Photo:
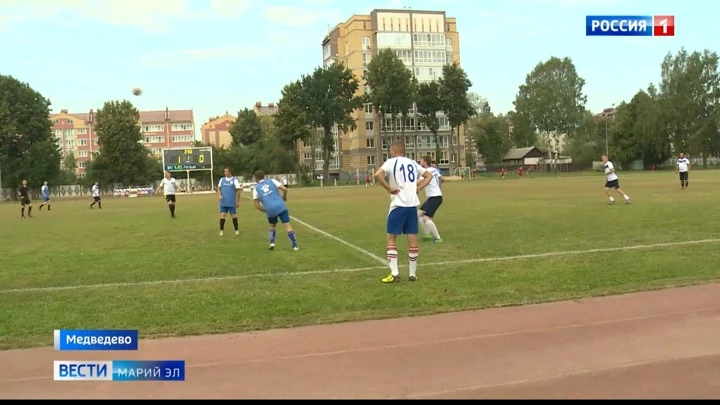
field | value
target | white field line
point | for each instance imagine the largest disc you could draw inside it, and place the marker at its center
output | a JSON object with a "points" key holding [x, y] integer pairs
{"points": [[360, 269], [335, 238]]}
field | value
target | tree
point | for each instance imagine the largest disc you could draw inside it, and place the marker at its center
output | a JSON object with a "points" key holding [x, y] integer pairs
{"points": [[291, 121], [247, 128], [552, 98], [70, 163], [330, 100], [28, 150], [122, 159], [491, 140], [429, 104], [454, 86], [689, 93], [588, 140], [523, 133], [480, 104]]}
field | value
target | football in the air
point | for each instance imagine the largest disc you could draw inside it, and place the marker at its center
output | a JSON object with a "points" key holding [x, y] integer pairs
{"points": [[137, 91]]}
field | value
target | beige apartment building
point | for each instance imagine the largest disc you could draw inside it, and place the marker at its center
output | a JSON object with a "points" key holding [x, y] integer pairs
{"points": [[425, 41]]}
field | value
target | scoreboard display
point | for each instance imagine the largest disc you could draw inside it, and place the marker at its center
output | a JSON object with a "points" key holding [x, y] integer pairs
{"points": [[177, 160]]}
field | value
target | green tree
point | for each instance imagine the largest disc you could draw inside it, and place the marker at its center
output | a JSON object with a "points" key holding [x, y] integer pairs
{"points": [[429, 104], [122, 159], [291, 121], [28, 150], [70, 163], [454, 87], [588, 140], [523, 134], [690, 92], [490, 139], [247, 129], [330, 100], [552, 98]]}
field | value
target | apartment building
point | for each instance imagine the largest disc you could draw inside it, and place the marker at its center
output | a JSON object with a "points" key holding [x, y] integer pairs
{"points": [[425, 41], [75, 133], [216, 132]]}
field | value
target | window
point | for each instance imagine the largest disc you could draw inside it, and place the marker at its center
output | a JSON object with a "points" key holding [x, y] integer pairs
{"points": [[371, 160], [366, 41], [185, 126], [154, 128], [393, 39], [69, 133], [409, 142], [369, 143], [369, 125], [82, 142], [384, 144], [183, 138], [154, 139], [434, 57], [367, 89], [429, 40], [366, 58], [80, 175], [368, 107], [385, 157], [448, 42], [58, 133], [326, 51], [82, 153], [404, 55], [81, 131], [307, 156], [81, 165]]}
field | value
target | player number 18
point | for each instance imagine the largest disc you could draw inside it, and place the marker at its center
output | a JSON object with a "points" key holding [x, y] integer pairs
{"points": [[408, 174]]}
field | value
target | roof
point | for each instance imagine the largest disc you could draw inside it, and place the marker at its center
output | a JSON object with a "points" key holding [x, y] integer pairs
{"points": [[518, 153], [146, 116]]}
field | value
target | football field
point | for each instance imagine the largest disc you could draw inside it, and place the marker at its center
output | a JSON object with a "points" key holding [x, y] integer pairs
{"points": [[506, 242]]}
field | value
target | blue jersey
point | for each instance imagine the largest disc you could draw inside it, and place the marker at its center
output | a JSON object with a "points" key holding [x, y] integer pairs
{"points": [[228, 187], [267, 192], [45, 191]]}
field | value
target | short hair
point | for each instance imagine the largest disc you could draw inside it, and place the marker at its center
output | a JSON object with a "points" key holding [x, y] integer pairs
{"points": [[259, 175], [399, 145], [427, 159], [433, 163]]}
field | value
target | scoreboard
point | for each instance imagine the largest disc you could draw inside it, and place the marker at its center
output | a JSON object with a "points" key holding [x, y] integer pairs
{"points": [[176, 160]]}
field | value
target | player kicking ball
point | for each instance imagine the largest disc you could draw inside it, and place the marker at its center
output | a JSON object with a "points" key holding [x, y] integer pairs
{"points": [[612, 182], [229, 190], [403, 186], [267, 199], [170, 187], [434, 200]]}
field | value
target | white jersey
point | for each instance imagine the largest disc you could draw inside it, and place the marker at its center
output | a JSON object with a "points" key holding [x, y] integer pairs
{"points": [[403, 174], [683, 165], [285, 180], [433, 188], [95, 191], [169, 186], [610, 172]]}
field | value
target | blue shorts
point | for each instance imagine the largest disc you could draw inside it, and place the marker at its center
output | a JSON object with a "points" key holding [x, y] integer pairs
{"points": [[284, 217], [228, 210], [402, 220], [46, 199]]}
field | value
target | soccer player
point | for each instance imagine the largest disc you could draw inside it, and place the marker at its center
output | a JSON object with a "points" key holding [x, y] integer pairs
{"points": [[229, 189], [96, 195], [434, 199], [611, 181], [683, 168], [24, 195], [45, 195], [170, 187], [267, 199], [403, 186]]}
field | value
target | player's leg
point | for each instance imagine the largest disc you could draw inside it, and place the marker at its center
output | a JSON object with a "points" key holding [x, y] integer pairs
{"points": [[421, 214], [393, 228], [223, 213], [622, 193], [285, 219], [171, 204], [272, 232], [22, 208], [233, 215], [608, 188], [684, 179], [95, 200], [432, 208], [410, 228], [687, 179], [28, 204]]}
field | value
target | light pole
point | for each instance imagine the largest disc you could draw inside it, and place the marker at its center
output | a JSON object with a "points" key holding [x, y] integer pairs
{"points": [[605, 114]]}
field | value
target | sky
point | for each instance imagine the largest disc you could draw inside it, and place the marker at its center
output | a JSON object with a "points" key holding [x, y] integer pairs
{"points": [[217, 56]]}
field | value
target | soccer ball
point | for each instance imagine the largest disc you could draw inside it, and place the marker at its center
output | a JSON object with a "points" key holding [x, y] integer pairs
{"points": [[137, 91]]}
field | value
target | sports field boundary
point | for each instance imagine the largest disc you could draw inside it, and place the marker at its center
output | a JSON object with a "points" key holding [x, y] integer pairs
{"points": [[361, 269]]}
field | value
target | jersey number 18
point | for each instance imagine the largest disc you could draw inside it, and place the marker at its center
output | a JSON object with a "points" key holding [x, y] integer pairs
{"points": [[408, 174]]}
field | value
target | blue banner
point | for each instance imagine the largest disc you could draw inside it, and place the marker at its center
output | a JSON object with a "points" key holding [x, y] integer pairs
{"points": [[619, 25], [95, 340], [119, 370], [148, 370]]}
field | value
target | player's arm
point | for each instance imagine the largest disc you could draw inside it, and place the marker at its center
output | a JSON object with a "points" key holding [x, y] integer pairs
{"points": [[282, 188], [256, 201], [426, 178], [688, 163], [219, 194], [238, 192], [380, 178], [157, 190]]}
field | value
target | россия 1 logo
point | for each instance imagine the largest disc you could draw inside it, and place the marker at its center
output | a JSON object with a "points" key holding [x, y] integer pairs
{"points": [[630, 26]]}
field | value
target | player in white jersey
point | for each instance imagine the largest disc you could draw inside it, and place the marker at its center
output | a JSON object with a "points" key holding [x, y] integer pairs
{"points": [[683, 168], [45, 195], [612, 182], [404, 185], [170, 187], [434, 199], [96, 195]]}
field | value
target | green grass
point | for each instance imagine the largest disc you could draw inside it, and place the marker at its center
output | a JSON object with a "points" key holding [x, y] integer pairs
{"points": [[134, 240]]}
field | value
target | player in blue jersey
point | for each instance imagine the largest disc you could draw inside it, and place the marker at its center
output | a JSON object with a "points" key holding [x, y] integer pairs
{"points": [[267, 198], [229, 189], [45, 196]]}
